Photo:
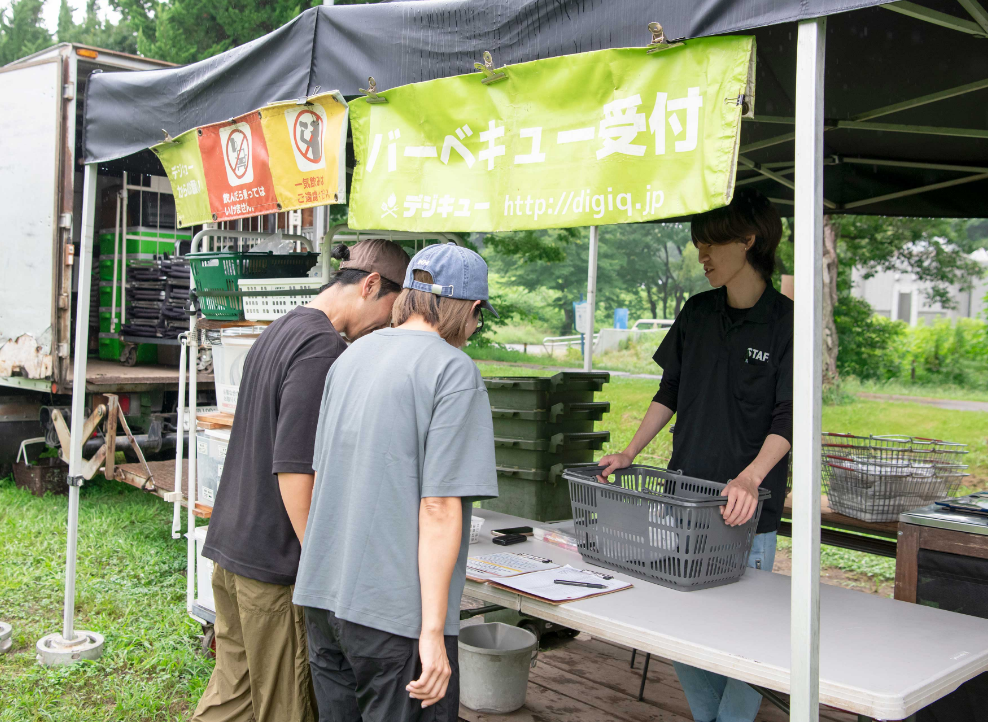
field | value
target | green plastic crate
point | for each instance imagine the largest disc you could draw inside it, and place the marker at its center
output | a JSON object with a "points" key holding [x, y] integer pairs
{"points": [[111, 348], [106, 295], [142, 240], [544, 424], [566, 448], [534, 393], [216, 276], [533, 493]]}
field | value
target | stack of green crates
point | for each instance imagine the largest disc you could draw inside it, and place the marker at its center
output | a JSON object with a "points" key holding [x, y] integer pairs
{"points": [[542, 426], [142, 244]]}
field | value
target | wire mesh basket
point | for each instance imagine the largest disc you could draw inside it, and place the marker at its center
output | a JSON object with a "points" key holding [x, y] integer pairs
{"points": [[876, 478], [659, 526]]}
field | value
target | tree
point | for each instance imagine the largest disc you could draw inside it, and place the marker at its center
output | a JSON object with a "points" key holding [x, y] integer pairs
{"points": [[649, 268], [934, 250], [121, 36], [184, 31], [22, 30], [658, 259]]}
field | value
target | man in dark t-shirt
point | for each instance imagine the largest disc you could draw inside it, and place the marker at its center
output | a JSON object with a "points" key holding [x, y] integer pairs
{"points": [[255, 532]]}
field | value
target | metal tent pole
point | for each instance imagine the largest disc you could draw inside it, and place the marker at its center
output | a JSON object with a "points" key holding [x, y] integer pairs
{"points": [[591, 298], [73, 644], [179, 442], [807, 370]]}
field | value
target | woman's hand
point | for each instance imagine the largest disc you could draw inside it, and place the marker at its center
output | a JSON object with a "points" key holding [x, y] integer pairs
{"points": [[613, 462], [430, 687], [742, 498]]}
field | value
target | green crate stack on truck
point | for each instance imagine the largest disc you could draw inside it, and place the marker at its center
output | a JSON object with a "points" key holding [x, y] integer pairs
{"points": [[142, 244], [541, 426]]}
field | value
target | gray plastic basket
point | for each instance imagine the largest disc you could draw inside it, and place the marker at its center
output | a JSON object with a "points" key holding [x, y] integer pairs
{"points": [[659, 526]]}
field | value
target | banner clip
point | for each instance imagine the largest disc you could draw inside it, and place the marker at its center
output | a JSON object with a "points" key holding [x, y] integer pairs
{"points": [[371, 92], [659, 41], [491, 74], [168, 138]]}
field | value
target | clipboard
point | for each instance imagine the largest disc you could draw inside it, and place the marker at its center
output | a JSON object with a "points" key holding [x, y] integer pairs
{"points": [[526, 583]]}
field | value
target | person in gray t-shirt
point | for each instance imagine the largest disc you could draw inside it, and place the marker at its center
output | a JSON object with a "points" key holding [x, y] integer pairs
{"points": [[404, 445]]}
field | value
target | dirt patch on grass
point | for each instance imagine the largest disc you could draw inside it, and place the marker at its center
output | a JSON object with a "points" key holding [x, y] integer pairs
{"points": [[838, 577]]}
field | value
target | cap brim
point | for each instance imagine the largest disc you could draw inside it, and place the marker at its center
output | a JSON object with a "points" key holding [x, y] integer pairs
{"points": [[487, 305]]}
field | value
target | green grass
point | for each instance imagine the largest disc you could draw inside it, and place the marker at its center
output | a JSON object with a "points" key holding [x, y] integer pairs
{"points": [[876, 567], [504, 355], [130, 588], [630, 398], [897, 387]]}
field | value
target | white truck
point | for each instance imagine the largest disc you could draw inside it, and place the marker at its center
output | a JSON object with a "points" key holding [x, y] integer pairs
{"points": [[40, 214]]}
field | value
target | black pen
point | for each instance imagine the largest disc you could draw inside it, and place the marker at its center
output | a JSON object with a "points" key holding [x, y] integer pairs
{"points": [[591, 585]]}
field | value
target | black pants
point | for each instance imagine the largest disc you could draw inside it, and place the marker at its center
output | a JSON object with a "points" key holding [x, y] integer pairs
{"points": [[359, 673]]}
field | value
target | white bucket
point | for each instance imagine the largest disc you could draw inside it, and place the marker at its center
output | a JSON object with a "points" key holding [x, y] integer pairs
{"points": [[495, 660], [228, 368]]}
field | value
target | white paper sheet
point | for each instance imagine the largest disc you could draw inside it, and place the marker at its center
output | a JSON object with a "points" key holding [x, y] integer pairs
{"points": [[505, 564], [542, 584]]}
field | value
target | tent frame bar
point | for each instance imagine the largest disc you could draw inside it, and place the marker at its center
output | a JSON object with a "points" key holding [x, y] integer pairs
{"points": [[936, 18], [915, 191], [976, 11], [871, 114]]}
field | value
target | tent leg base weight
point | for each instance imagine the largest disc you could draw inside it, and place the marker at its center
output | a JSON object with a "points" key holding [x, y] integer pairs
{"points": [[54, 651]]}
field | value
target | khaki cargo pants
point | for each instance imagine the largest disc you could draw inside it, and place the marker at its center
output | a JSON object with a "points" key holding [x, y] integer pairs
{"points": [[262, 659]]}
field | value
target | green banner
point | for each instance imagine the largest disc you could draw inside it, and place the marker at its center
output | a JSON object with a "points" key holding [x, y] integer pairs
{"points": [[613, 136]]}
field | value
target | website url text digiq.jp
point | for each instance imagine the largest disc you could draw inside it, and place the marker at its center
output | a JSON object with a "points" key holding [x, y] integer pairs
{"points": [[584, 202]]}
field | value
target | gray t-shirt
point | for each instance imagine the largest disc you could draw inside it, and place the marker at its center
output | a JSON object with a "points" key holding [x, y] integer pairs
{"points": [[404, 416]]}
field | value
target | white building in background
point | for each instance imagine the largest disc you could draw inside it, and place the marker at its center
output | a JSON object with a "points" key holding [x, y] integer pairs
{"points": [[900, 297]]}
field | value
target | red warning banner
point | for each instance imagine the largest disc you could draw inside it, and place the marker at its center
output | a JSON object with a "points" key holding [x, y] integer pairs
{"points": [[235, 163]]}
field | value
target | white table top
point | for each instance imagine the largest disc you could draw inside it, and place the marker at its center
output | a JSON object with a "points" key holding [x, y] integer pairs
{"points": [[878, 657]]}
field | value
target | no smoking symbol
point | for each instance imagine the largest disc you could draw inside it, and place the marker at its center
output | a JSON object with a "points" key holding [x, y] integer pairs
{"points": [[307, 135], [238, 152]]}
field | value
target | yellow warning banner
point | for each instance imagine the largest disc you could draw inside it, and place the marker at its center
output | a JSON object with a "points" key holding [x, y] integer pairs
{"points": [[307, 150]]}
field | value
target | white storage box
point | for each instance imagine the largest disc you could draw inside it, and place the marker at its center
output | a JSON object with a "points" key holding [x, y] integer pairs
{"points": [[204, 572], [228, 367], [211, 446], [270, 308]]}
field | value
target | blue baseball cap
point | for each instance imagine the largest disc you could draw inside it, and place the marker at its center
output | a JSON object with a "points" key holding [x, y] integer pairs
{"points": [[457, 272]]}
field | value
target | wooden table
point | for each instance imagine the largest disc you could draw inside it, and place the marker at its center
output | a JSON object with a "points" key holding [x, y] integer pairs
{"points": [[848, 533], [868, 645], [929, 528]]}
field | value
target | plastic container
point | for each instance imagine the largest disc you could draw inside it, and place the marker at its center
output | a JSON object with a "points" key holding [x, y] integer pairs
{"points": [[535, 424], [495, 660], [110, 349], [141, 240], [476, 524], [564, 448], [659, 526], [211, 447], [534, 393], [228, 368], [217, 277], [204, 572], [539, 494], [280, 296]]}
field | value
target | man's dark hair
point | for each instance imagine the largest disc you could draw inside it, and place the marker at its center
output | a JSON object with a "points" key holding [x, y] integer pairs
{"points": [[350, 276], [749, 213]]}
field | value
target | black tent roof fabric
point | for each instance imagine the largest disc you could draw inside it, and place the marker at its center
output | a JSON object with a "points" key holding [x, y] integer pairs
{"points": [[875, 58]]}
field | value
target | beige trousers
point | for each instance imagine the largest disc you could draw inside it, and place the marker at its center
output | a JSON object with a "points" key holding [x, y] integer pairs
{"points": [[262, 659]]}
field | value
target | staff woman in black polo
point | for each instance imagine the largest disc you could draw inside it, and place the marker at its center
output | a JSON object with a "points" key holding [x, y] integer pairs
{"points": [[727, 372]]}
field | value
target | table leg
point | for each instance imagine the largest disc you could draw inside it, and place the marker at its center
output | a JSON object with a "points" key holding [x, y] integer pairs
{"points": [[633, 653], [906, 563], [641, 690]]}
